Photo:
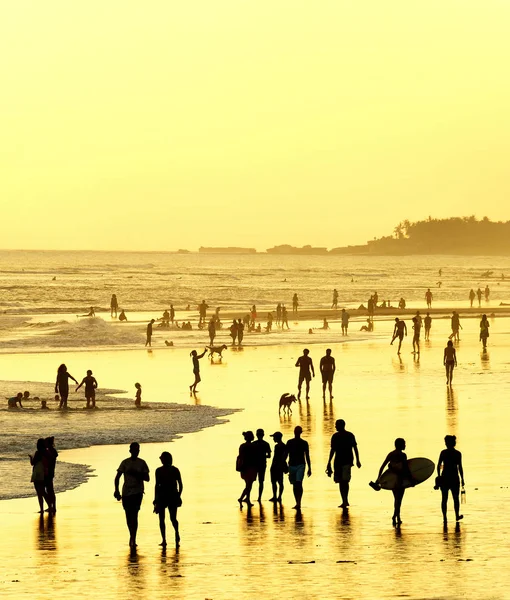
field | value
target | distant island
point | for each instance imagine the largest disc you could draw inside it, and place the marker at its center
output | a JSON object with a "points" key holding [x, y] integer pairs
{"points": [[226, 250], [286, 249]]}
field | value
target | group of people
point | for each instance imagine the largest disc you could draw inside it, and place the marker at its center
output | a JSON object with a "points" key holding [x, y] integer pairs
{"points": [[327, 368], [479, 294]]}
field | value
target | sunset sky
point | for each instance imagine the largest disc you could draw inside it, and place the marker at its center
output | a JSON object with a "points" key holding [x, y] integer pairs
{"points": [[162, 125]]}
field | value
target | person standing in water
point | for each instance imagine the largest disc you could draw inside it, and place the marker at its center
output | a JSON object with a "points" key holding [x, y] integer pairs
{"points": [[212, 331], [487, 293], [168, 494], [428, 324], [52, 455], [233, 332], [262, 452], [327, 367], [278, 467], [306, 372], [138, 397], [450, 460], [240, 332], [196, 370], [247, 467], [202, 311], [90, 389], [484, 331], [472, 297], [295, 304], [62, 385], [299, 454], [397, 462], [449, 361], [479, 296], [39, 462], [343, 444], [335, 299], [399, 331], [135, 471], [428, 298], [114, 305], [172, 314], [285, 318], [148, 341], [345, 321]]}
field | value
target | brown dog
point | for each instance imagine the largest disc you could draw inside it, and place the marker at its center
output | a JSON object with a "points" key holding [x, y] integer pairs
{"points": [[216, 350], [285, 402]]}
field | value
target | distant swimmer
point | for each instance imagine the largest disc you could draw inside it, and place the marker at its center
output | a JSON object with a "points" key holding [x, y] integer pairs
{"points": [[345, 321], [138, 397], [122, 316], [343, 445], [327, 368], [416, 335], [428, 326], [449, 467], [278, 467], [295, 304], [399, 331], [472, 297], [168, 495], [240, 332], [233, 332], [479, 296], [335, 299], [15, 401], [246, 465], [455, 324], [306, 372], [299, 456], [212, 331], [90, 389], [44, 405], [262, 452], [484, 331], [487, 293], [428, 298], [148, 341], [62, 385], [114, 305], [196, 369], [449, 361]]}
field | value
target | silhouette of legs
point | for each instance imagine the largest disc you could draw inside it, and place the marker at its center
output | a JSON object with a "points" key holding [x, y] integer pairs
{"points": [[261, 476], [41, 495], [297, 488], [398, 496], [245, 496], [344, 493], [132, 523]]}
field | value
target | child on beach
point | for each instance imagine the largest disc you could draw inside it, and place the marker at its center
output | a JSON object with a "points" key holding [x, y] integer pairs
{"points": [[138, 398], [90, 389]]}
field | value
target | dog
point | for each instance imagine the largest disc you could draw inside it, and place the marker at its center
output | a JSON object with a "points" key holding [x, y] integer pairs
{"points": [[216, 350], [285, 402]]}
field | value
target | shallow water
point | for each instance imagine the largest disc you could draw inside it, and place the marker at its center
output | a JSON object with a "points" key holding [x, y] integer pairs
{"points": [[227, 553]]}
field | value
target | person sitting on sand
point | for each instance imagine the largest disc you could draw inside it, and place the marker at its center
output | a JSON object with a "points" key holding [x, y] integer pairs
{"points": [[449, 361], [122, 316], [91, 312], [167, 494], [138, 397], [15, 400], [450, 460], [90, 389], [369, 326]]}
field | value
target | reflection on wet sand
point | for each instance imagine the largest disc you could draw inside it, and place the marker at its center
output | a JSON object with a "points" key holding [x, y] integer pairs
{"points": [[451, 411], [46, 532], [485, 359]]}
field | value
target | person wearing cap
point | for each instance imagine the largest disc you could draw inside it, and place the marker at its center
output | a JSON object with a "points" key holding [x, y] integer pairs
{"points": [[167, 494], [343, 443], [262, 452], [135, 471], [278, 467], [299, 454], [306, 372]]}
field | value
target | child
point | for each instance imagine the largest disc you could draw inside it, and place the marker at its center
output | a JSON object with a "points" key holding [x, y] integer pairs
{"points": [[57, 398], [138, 398], [90, 389]]}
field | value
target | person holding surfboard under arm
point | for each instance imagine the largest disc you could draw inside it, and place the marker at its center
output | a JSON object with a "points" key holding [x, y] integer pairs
{"points": [[451, 461]]}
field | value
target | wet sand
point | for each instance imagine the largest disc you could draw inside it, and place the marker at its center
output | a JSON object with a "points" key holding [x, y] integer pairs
{"points": [[321, 554]]}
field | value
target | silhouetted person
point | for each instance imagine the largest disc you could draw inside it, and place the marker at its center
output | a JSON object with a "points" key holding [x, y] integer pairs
{"points": [[402, 304], [428, 326], [369, 326], [285, 318], [138, 397], [484, 331], [370, 306], [449, 361], [233, 332], [343, 444], [91, 313], [455, 324], [399, 331], [52, 454], [440, 272], [262, 452], [472, 297], [212, 331], [135, 471], [148, 341], [278, 467], [114, 305], [44, 405], [168, 494], [299, 454], [122, 316], [15, 400], [479, 296], [247, 467], [202, 311], [428, 298], [306, 372], [487, 293], [253, 316], [172, 313], [451, 461], [397, 462], [196, 369], [325, 324], [335, 299], [39, 462], [240, 332], [62, 385], [327, 368], [375, 298], [166, 318], [90, 389], [345, 321], [295, 304], [269, 322], [416, 335]]}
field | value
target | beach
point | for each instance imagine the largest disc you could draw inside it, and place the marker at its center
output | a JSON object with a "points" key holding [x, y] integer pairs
{"points": [[321, 553]]}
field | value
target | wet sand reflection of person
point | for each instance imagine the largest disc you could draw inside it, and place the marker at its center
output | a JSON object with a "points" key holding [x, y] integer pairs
{"points": [[196, 369], [167, 494], [62, 385]]}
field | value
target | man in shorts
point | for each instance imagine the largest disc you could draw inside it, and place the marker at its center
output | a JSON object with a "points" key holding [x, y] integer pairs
{"points": [[327, 367], [135, 471], [299, 454], [399, 331], [343, 443], [262, 452], [306, 372]]}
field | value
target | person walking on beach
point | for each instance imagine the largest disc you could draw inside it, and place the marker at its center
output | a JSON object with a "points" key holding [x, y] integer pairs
{"points": [[335, 299], [39, 462], [345, 321], [450, 460], [327, 367], [306, 372], [484, 331], [246, 465], [172, 314], [90, 389], [428, 324], [479, 296], [278, 467], [416, 335], [233, 332], [428, 298], [168, 494], [62, 385], [299, 454], [285, 319], [52, 455], [449, 361], [455, 324], [343, 444], [135, 471], [472, 297], [148, 341], [196, 370], [295, 304], [212, 331], [399, 331], [114, 305], [262, 452], [397, 462], [240, 332]]}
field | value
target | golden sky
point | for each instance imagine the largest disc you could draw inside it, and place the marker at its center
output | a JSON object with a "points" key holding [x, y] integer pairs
{"points": [[167, 124]]}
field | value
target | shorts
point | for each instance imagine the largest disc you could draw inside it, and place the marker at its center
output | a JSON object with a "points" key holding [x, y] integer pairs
{"points": [[304, 377], [171, 501], [416, 337], [454, 486], [342, 474], [132, 503], [327, 377], [276, 475], [249, 475], [296, 473]]}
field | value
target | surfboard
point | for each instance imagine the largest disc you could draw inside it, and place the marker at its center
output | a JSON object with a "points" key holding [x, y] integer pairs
{"points": [[421, 469]]}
